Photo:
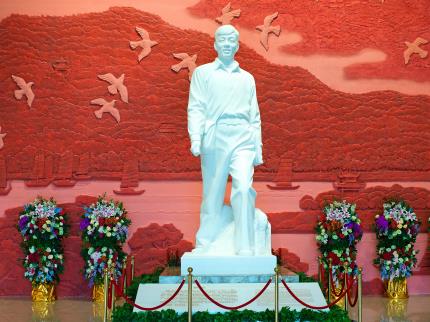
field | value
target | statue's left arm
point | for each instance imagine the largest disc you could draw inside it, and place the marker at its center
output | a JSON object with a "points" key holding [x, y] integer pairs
{"points": [[255, 122]]}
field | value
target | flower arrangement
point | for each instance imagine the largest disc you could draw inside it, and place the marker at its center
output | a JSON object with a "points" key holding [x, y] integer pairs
{"points": [[396, 231], [42, 226], [104, 227], [338, 232]]}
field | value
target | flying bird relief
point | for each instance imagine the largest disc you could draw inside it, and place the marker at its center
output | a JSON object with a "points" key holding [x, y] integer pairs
{"points": [[2, 135], [267, 28], [227, 15], [106, 107], [25, 89], [187, 61], [414, 48], [145, 43], [116, 85]]}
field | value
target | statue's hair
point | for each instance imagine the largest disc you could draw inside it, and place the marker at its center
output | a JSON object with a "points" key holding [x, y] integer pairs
{"points": [[226, 29]]}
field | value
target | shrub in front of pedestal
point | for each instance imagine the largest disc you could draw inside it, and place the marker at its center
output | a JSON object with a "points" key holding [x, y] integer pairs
{"points": [[338, 232], [43, 226], [104, 227], [396, 229]]}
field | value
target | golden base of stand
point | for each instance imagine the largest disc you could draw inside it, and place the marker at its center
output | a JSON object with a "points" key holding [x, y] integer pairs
{"points": [[333, 297], [396, 288], [98, 295], [43, 292]]}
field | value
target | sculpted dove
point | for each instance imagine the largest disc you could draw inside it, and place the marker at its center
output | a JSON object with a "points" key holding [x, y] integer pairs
{"points": [[25, 89], [145, 43], [227, 15], [106, 107], [266, 29], [414, 48], [117, 85], [187, 62]]}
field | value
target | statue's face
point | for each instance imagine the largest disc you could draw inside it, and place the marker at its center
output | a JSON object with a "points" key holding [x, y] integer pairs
{"points": [[226, 45]]}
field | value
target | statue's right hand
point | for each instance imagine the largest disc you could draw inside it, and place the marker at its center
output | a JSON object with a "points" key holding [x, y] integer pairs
{"points": [[195, 148]]}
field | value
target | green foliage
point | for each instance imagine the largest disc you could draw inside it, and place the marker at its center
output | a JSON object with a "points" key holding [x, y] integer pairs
{"points": [[125, 314], [303, 278]]}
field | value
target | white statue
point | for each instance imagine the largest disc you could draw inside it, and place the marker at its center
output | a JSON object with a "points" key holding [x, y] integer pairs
{"points": [[225, 130]]}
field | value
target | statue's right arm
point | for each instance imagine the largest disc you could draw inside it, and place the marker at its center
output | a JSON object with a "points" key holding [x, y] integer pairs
{"points": [[196, 111]]}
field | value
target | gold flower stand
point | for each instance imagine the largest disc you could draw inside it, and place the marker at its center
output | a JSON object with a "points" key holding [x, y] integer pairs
{"points": [[98, 295], [396, 288], [43, 292]]}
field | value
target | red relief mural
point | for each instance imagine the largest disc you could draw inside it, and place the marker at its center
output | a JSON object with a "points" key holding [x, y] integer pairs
{"points": [[316, 130], [152, 246], [291, 261], [344, 28]]}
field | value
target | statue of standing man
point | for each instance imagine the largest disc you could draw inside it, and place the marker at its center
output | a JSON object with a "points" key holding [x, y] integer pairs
{"points": [[225, 131]]}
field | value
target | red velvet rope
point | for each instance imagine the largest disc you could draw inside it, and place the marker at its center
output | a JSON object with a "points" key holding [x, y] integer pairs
{"points": [[128, 273], [109, 303], [233, 307], [333, 288], [129, 301], [356, 296], [120, 286], [316, 307], [322, 274]]}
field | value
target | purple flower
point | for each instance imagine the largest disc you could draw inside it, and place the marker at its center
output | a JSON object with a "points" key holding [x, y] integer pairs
{"points": [[84, 224], [357, 231], [414, 229], [23, 221], [382, 223]]}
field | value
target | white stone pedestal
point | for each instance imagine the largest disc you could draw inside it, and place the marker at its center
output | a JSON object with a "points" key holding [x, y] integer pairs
{"points": [[210, 265], [231, 294]]}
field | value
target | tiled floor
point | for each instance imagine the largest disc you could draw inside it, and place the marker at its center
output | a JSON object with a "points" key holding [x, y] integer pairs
{"points": [[415, 309]]}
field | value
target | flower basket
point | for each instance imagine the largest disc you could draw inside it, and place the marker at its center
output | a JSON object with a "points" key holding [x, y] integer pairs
{"points": [[396, 231], [338, 231], [104, 227], [43, 226]]}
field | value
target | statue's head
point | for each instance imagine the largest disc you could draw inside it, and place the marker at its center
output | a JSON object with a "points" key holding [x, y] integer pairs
{"points": [[226, 42]]}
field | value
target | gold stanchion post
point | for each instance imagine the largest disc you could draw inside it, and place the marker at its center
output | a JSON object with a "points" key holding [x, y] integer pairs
{"points": [[106, 291], [112, 280], [132, 267], [345, 281], [124, 274], [319, 261], [276, 294], [190, 294], [360, 299], [329, 281]]}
